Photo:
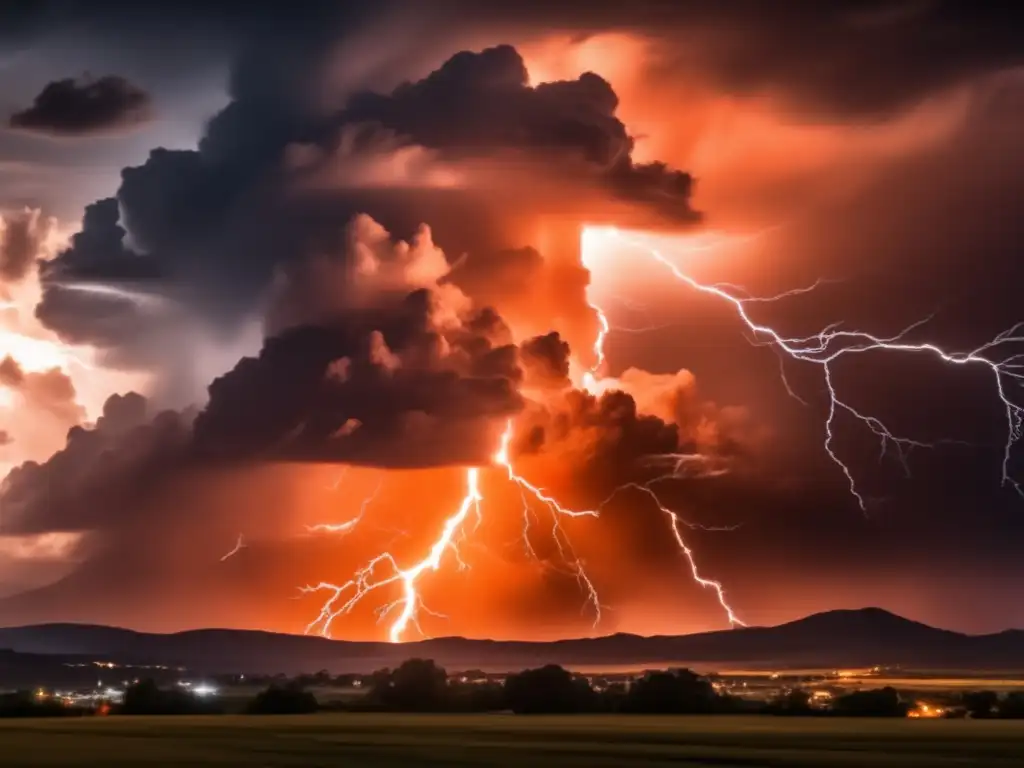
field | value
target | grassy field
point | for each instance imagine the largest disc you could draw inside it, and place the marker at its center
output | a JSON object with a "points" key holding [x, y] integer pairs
{"points": [[500, 740]]}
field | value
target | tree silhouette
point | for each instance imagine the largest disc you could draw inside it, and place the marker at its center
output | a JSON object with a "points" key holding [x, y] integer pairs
{"points": [[679, 692], [147, 698], [484, 696], [418, 685], [548, 690], [26, 704], [283, 700], [980, 704], [794, 703], [1012, 707], [882, 702]]}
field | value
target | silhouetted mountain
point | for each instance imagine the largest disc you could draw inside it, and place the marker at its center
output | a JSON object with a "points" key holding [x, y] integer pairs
{"points": [[834, 639]]}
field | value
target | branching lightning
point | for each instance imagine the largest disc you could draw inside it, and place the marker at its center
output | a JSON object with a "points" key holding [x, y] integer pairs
{"points": [[348, 525], [384, 571], [347, 596], [565, 549], [830, 344], [589, 381]]}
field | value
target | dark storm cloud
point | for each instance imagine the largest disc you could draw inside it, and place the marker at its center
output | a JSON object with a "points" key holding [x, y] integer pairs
{"points": [[84, 107], [213, 221], [109, 321], [99, 250], [220, 219], [605, 434], [141, 24], [96, 479], [22, 235], [869, 58], [482, 102], [546, 360], [384, 389], [847, 58]]}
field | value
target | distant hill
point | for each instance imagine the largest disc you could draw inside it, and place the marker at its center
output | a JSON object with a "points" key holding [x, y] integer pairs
{"points": [[27, 670], [846, 638]]}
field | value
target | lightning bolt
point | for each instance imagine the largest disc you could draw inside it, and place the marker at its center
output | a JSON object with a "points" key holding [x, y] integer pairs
{"points": [[348, 525], [239, 546], [831, 344], [590, 382], [347, 596], [384, 571], [675, 521], [565, 549], [590, 377], [337, 481]]}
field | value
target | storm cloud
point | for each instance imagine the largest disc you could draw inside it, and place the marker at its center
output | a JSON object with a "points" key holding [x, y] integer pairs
{"points": [[97, 478], [214, 224], [369, 358], [85, 107]]}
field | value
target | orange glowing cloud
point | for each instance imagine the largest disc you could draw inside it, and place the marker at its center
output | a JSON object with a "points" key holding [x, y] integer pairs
{"points": [[743, 149], [51, 385]]}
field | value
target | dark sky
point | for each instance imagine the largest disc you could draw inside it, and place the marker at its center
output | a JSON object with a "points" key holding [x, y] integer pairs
{"points": [[207, 206]]}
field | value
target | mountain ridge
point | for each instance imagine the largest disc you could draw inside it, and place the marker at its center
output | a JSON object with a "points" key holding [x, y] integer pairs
{"points": [[847, 637]]}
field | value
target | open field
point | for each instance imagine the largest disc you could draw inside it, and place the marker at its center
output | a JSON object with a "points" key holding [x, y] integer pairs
{"points": [[505, 740]]}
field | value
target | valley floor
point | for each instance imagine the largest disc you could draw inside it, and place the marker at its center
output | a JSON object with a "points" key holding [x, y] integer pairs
{"points": [[505, 740]]}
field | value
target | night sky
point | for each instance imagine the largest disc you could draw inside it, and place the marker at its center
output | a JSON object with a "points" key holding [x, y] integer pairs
{"points": [[277, 280]]}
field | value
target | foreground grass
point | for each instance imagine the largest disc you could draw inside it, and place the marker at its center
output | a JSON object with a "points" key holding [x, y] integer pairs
{"points": [[500, 740]]}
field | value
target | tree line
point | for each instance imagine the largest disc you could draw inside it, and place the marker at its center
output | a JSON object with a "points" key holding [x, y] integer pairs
{"points": [[420, 685]]}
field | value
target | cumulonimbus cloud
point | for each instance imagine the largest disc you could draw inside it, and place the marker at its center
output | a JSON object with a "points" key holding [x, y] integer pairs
{"points": [[387, 343], [194, 219]]}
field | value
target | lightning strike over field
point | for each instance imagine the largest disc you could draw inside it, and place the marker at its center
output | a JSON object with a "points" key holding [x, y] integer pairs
{"points": [[830, 344]]}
